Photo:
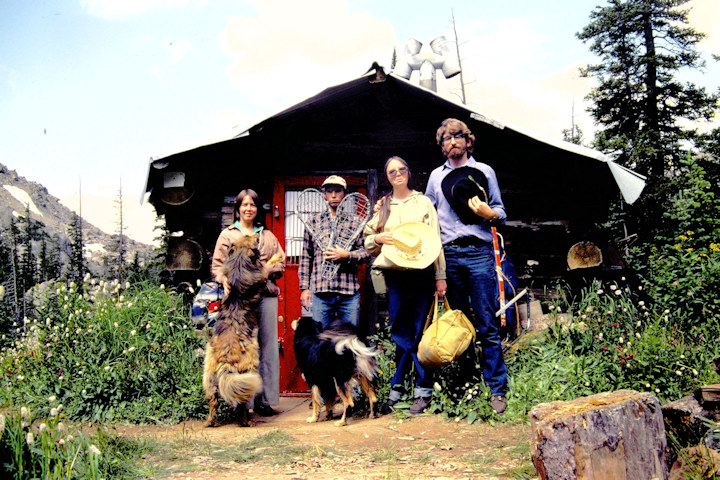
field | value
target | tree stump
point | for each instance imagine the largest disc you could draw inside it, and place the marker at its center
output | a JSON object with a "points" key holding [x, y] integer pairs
{"points": [[614, 435]]}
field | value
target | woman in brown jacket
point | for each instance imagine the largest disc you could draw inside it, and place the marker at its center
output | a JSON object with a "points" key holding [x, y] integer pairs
{"points": [[245, 216]]}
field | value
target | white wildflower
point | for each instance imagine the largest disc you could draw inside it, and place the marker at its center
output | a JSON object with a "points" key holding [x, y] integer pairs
{"points": [[437, 386], [94, 449], [695, 372], [133, 332], [51, 398], [678, 372], [53, 412], [30, 439], [42, 427], [613, 287], [107, 368]]}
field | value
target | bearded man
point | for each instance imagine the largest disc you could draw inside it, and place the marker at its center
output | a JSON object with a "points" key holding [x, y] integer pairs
{"points": [[466, 231]]}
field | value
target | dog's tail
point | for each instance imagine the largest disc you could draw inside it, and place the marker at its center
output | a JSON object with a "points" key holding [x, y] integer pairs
{"points": [[364, 355], [238, 388]]}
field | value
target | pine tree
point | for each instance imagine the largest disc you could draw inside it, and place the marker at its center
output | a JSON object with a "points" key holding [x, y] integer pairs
{"points": [[28, 262], [639, 101], [116, 261], [77, 268]]}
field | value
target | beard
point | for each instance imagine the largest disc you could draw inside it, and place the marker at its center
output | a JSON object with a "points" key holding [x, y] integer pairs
{"points": [[455, 153]]}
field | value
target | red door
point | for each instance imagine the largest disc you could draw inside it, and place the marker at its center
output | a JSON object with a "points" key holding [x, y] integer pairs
{"points": [[289, 230]]}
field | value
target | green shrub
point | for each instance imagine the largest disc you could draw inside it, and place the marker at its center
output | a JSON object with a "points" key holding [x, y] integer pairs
{"points": [[46, 448], [109, 353]]}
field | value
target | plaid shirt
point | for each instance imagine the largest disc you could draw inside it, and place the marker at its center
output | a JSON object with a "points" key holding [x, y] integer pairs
{"points": [[311, 260]]}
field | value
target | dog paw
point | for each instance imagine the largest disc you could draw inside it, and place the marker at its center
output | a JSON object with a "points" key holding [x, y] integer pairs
{"points": [[212, 423], [340, 423], [312, 419]]}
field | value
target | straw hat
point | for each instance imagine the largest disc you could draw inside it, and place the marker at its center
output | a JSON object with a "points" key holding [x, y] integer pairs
{"points": [[459, 186], [584, 255], [415, 245]]}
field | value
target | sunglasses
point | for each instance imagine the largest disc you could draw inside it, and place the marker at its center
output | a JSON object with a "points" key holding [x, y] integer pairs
{"points": [[400, 171]]}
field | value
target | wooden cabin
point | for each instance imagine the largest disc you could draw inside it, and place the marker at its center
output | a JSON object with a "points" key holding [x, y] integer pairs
{"points": [[554, 192]]}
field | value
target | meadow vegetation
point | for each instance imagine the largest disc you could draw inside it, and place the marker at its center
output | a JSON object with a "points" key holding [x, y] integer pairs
{"points": [[104, 352]]}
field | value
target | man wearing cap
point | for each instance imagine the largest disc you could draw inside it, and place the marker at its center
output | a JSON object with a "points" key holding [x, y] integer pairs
{"points": [[338, 297], [466, 231]]}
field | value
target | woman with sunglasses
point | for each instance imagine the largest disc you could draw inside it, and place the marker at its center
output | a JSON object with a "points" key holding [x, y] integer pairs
{"points": [[410, 290]]}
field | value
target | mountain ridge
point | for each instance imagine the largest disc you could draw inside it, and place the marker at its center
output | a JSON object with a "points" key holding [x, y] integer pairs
{"points": [[48, 210]]}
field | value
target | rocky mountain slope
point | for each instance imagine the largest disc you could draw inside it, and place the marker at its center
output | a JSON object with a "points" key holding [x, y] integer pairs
{"points": [[16, 193]]}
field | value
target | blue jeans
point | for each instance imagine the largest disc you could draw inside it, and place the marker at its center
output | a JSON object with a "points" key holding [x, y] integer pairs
{"points": [[472, 281], [328, 306], [410, 295]]}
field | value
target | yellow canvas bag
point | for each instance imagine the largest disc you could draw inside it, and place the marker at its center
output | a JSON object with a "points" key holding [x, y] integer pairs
{"points": [[444, 338]]}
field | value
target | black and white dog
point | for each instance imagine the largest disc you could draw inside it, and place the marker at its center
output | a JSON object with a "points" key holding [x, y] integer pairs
{"points": [[332, 362]]}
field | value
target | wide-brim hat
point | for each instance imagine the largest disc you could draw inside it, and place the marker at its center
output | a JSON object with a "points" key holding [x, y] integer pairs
{"points": [[415, 245], [459, 186], [584, 255]]}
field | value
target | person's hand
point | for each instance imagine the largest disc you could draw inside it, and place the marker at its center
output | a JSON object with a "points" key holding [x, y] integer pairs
{"points": [[336, 254], [481, 208], [378, 204], [385, 238], [226, 287], [306, 299], [440, 287]]}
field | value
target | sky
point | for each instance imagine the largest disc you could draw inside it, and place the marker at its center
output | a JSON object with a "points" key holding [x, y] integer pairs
{"points": [[92, 90]]}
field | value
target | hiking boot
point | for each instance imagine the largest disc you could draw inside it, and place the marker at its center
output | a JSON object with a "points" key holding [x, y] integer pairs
{"points": [[265, 410], [387, 409], [419, 405], [499, 404]]}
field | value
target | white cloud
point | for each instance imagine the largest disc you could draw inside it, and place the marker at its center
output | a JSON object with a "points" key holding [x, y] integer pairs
{"points": [[177, 49], [111, 9], [287, 57], [704, 16]]}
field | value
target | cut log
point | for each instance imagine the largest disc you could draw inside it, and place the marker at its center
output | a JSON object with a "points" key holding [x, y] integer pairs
{"points": [[684, 417], [696, 462], [613, 435]]}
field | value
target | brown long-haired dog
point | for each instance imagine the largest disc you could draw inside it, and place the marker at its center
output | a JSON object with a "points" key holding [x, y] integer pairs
{"points": [[232, 353]]}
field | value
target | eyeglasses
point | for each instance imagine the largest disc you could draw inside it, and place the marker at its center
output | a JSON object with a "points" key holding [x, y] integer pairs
{"points": [[400, 171], [456, 136]]}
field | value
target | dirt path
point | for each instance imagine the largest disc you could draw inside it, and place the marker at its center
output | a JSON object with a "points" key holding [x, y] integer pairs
{"points": [[285, 446]]}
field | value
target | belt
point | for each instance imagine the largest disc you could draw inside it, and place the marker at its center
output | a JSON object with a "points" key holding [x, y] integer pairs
{"points": [[465, 242]]}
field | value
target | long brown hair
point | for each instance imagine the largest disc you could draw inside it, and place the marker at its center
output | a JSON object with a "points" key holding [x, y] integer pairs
{"points": [[384, 211]]}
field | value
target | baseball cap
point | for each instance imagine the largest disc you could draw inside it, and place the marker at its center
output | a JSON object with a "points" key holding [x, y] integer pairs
{"points": [[335, 180]]}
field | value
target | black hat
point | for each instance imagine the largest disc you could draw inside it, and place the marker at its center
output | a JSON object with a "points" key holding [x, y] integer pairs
{"points": [[462, 184]]}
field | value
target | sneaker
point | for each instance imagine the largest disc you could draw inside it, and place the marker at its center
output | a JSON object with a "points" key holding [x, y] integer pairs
{"points": [[387, 409], [419, 405], [499, 404]]}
